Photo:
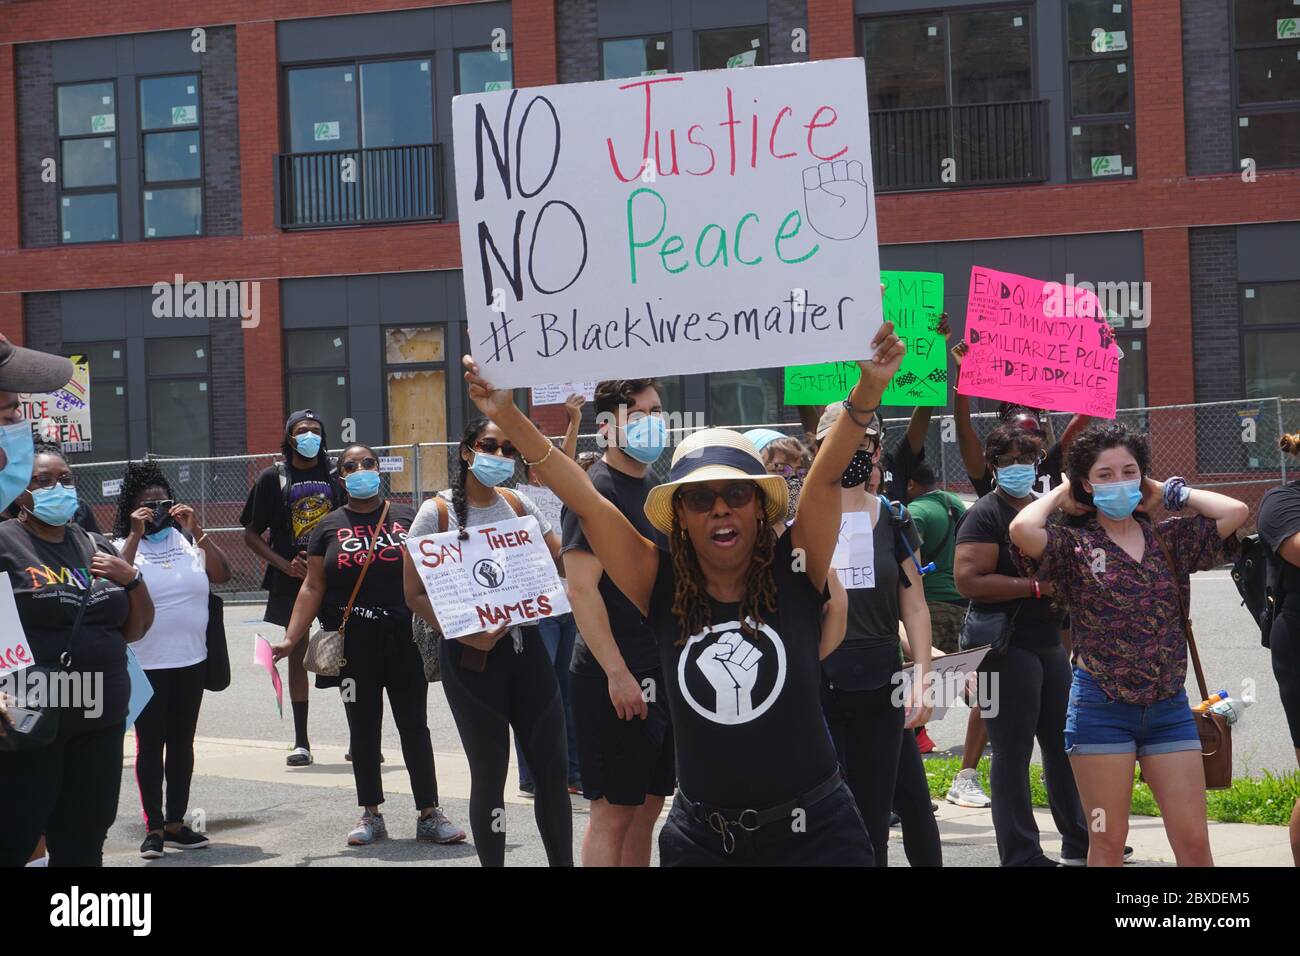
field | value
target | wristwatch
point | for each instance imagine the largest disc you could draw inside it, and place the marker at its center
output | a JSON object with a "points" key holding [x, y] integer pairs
{"points": [[135, 581]]}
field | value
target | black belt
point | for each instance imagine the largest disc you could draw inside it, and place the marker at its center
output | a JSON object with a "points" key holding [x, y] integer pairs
{"points": [[721, 821]]}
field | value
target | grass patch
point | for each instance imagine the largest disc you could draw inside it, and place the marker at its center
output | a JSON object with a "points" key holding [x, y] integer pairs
{"points": [[1267, 799]]}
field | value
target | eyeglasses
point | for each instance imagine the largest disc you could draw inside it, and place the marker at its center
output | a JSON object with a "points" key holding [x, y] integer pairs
{"points": [[159, 504], [700, 500], [353, 464], [490, 446], [1031, 458], [45, 482], [787, 471]]}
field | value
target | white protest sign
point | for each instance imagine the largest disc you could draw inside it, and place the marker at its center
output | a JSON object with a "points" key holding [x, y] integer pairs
{"points": [[947, 680], [502, 574], [15, 652], [854, 559], [548, 503], [557, 394], [63, 415], [681, 223]]}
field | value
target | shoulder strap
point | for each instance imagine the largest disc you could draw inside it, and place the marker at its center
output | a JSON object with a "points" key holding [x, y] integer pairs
{"points": [[513, 501], [374, 540], [1182, 613], [65, 658], [443, 520]]}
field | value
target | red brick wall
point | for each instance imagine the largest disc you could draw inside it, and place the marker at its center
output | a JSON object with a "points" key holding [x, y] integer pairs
{"points": [[264, 410], [1167, 265], [9, 151], [11, 317], [832, 29], [533, 36]]}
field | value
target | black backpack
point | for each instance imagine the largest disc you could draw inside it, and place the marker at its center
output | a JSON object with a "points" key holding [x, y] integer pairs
{"points": [[1258, 577]]}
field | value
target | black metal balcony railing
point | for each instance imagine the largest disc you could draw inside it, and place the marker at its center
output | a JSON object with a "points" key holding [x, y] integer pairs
{"points": [[388, 184], [991, 144]]}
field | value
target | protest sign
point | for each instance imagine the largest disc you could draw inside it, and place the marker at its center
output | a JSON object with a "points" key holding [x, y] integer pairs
{"points": [[948, 679], [548, 503], [557, 394], [63, 415], [913, 302], [696, 222], [141, 688], [15, 652], [265, 658], [502, 574], [1041, 344], [854, 559]]}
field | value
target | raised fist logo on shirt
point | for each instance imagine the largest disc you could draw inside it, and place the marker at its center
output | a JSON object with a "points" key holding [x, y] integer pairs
{"points": [[731, 666], [732, 676]]}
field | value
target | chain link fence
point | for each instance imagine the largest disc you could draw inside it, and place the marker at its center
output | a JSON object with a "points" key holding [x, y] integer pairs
{"points": [[1229, 446]]}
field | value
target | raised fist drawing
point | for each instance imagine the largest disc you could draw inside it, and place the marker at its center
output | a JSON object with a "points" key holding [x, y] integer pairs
{"points": [[835, 196], [731, 666]]}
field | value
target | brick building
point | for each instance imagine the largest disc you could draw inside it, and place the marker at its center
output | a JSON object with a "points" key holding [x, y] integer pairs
{"points": [[144, 140]]}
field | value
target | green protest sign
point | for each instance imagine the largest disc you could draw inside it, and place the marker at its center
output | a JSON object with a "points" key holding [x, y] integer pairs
{"points": [[913, 301]]}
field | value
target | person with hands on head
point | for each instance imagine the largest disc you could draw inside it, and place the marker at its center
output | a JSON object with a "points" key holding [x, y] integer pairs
{"points": [[287, 501], [68, 789], [736, 614], [178, 560], [1125, 580], [355, 584], [493, 685], [1024, 689]]}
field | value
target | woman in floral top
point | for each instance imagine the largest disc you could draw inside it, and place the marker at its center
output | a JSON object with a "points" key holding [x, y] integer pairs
{"points": [[1128, 701]]}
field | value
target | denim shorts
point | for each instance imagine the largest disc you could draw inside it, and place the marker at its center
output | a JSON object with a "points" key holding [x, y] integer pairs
{"points": [[1097, 724]]}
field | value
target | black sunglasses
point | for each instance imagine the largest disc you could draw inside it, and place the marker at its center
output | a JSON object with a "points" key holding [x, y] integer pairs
{"points": [[352, 464], [700, 500], [490, 446]]}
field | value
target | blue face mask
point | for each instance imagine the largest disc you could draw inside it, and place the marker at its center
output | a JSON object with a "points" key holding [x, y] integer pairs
{"points": [[308, 444], [491, 470], [1117, 499], [646, 439], [158, 536], [55, 506], [362, 484], [16, 441], [1016, 480]]}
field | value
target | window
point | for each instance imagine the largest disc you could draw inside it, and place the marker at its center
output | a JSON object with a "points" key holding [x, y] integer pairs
{"points": [[180, 420], [108, 410], [396, 103], [172, 146], [88, 162], [906, 62], [1270, 319], [317, 366], [727, 49], [1266, 74], [990, 52], [746, 397], [415, 377], [635, 56], [1100, 80], [323, 109], [484, 71]]}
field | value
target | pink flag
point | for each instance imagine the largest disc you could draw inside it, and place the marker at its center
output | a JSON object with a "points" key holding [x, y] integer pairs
{"points": [[262, 655]]}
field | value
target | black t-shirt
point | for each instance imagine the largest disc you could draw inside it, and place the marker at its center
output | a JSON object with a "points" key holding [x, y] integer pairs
{"points": [[342, 538], [748, 721], [290, 513], [635, 639], [49, 581], [988, 521], [1049, 468], [900, 465], [85, 518], [869, 656], [1279, 519]]}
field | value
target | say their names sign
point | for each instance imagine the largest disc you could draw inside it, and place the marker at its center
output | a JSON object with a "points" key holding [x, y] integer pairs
{"points": [[1041, 344], [668, 224], [501, 575]]}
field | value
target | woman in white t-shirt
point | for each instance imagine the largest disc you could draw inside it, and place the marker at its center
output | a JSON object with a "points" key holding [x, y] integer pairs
{"points": [[178, 561]]}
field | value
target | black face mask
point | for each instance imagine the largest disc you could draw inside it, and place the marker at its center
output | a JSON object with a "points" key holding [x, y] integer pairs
{"points": [[160, 521], [795, 485], [859, 470]]}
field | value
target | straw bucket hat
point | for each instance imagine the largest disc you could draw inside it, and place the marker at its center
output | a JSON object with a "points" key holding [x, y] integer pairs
{"points": [[715, 454]]}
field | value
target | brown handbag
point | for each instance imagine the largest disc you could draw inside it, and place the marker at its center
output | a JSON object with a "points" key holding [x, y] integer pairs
{"points": [[1214, 731], [325, 648]]}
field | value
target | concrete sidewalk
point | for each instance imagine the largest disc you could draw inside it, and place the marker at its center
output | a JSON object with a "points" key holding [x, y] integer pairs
{"points": [[967, 834]]}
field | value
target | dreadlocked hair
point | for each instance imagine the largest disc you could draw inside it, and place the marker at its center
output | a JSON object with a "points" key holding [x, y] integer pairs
{"points": [[459, 503], [137, 477], [691, 603]]}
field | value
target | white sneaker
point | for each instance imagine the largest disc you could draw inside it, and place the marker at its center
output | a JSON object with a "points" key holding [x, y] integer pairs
{"points": [[299, 757], [967, 792]]}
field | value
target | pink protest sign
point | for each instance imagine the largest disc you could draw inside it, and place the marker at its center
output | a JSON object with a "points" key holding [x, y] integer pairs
{"points": [[1041, 344], [262, 655]]}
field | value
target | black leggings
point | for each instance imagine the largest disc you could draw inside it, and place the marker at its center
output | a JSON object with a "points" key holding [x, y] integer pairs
{"points": [[67, 791], [1284, 643], [168, 723], [381, 656], [883, 767], [514, 690]]}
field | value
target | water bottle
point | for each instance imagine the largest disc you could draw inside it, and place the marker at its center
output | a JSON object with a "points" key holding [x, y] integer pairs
{"points": [[1210, 701], [1231, 709]]}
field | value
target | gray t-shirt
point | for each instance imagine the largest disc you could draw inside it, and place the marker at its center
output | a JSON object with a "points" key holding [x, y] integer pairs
{"points": [[426, 520]]}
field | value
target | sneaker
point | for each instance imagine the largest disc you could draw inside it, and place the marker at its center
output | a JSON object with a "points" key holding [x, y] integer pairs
{"points": [[527, 789], [575, 786], [967, 792], [299, 757], [1083, 860], [152, 847], [923, 741], [370, 828], [185, 839], [436, 828]]}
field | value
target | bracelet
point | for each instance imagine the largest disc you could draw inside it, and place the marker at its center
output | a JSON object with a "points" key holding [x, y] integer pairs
{"points": [[199, 543], [870, 413], [135, 582], [1033, 584], [534, 464], [1176, 493]]}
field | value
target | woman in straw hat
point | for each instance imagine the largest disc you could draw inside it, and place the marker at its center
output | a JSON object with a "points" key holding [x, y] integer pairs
{"points": [[737, 616]]}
